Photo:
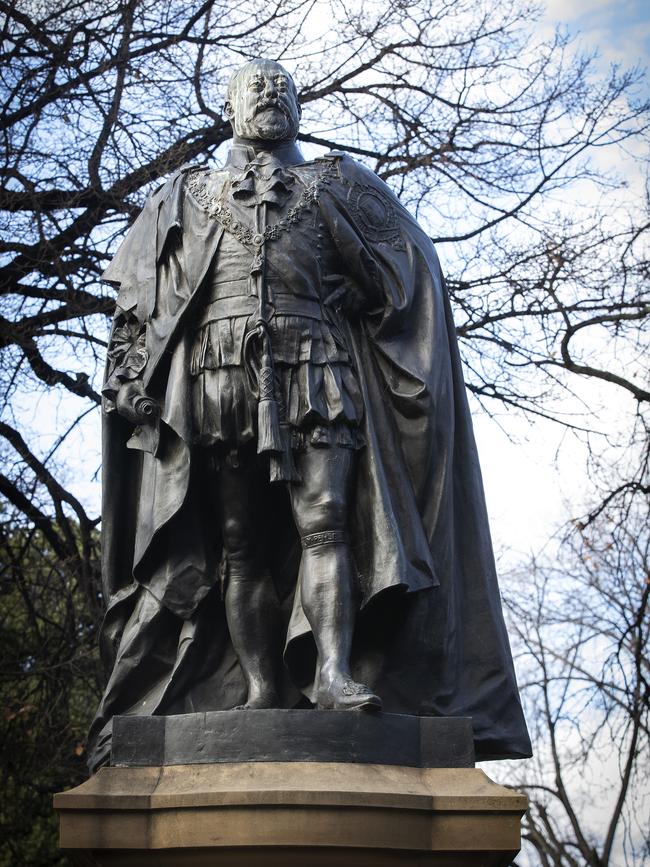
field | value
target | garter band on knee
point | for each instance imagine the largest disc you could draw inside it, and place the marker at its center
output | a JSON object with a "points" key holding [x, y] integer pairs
{"points": [[327, 537]]}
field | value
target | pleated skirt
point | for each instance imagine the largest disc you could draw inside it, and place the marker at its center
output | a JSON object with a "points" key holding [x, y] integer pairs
{"points": [[315, 383]]}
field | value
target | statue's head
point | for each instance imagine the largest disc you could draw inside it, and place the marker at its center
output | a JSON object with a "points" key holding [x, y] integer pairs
{"points": [[262, 102]]}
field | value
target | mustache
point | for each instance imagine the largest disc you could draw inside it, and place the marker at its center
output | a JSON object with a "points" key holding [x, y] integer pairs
{"points": [[271, 103]]}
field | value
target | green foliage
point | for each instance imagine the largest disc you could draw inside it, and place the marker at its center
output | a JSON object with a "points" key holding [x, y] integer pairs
{"points": [[49, 687]]}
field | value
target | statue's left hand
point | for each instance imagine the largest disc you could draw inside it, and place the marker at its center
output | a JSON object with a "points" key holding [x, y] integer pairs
{"points": [[344, 294]]}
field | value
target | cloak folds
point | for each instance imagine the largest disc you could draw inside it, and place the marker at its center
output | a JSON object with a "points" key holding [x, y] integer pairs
{"points": [[430, 637]]}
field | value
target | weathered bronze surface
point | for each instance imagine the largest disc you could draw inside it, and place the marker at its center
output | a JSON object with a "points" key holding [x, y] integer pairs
{"points": [[293, 506], [278, 735]]}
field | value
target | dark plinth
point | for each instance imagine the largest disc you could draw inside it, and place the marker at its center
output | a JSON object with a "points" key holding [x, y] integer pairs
{"points": [[293, 736]]}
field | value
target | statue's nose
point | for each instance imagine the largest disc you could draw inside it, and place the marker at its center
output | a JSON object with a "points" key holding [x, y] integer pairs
{"points": [[270, 90]]}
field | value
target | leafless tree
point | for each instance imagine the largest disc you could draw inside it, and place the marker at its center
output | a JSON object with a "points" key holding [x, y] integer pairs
{"points": [[477, 124], [582, 628]]}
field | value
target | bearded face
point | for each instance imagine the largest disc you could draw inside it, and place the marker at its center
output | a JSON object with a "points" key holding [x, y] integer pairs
{"points": [[262, 103]]}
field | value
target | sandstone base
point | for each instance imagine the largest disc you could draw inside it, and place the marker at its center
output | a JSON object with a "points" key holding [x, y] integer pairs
{"points": [[289, 814]]}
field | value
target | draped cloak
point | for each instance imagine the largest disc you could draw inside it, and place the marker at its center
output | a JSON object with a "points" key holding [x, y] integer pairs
{"points": [[430, 637]]}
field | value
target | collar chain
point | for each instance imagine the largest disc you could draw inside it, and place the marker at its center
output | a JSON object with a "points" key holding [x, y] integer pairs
{"points": [[218, 211]]}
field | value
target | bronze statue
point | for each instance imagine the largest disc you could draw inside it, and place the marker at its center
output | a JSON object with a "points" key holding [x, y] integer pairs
{"points": [[288, 453]]}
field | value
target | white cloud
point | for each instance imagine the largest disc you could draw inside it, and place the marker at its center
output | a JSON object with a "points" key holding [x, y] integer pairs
{"points": [[619, 31], [560, 10]]}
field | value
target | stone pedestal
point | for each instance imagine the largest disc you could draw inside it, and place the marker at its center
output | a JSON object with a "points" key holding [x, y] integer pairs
{"points": [[287, 813], [294, 814]]}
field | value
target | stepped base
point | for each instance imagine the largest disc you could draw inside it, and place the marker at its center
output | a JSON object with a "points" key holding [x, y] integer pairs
{"points": [[289, 814]]}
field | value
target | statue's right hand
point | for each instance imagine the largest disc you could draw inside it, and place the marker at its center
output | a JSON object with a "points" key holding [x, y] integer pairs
{"points": [[135, 405]]}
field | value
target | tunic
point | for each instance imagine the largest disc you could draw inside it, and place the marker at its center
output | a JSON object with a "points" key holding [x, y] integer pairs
{"points": [[315, 384]]}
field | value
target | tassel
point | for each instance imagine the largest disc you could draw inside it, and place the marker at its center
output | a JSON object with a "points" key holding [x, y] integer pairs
{"points": [[268, 427], [269, 438], [281, 466], [272, 435]]}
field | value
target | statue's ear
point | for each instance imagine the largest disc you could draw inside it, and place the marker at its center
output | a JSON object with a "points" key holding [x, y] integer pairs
{"points": [[228, 110]]}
